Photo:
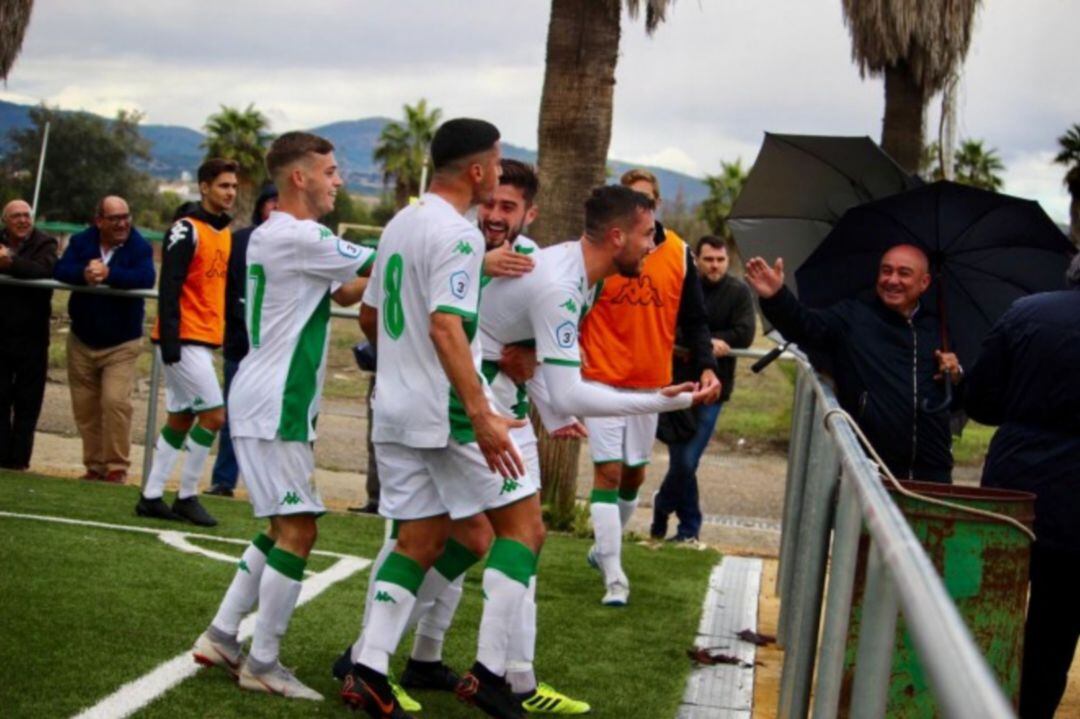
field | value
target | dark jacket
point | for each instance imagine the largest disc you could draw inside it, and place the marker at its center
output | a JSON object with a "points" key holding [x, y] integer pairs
{"points": [[101, 321], [236, 339], [883, 365], [692, 321], [26, 311], [1025, 380], [730, 310]]}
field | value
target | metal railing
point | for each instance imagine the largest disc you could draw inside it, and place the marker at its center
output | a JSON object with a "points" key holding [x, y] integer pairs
{"points": [[833, 489]]}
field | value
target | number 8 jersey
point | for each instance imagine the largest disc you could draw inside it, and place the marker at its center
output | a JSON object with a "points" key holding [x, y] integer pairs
{"points": [[293, 266], [430, 259]]}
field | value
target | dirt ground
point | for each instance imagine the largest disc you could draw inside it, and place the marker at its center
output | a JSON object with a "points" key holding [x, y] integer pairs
{"points": [[741, 495]]}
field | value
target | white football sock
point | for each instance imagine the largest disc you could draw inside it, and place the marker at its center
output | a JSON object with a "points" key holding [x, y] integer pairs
{"points": [[279, 589], [519, 664], [200, 440], [243, 592], [166, 452], [506, 581]]}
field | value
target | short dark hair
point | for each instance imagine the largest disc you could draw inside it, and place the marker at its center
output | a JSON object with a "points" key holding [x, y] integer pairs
{"points": [[459, 138], [609, 204], [292, 146], [717, 243], [209, 170], [521, 175]]}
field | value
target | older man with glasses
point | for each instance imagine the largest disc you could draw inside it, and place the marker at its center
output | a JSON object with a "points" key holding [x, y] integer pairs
{"points": [[29, 254], [106, 334]]}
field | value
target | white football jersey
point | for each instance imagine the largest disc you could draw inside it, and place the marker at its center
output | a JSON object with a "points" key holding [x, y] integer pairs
{"points": [[293, 266], [430, 260], [545, 306]]}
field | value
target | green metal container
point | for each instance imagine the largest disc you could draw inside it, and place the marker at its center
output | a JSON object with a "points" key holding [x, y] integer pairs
{"points": [[984, 563]]}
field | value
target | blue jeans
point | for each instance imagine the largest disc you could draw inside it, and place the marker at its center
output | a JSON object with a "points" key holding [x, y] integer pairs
{"points": [[679, 491], [225, 467]]}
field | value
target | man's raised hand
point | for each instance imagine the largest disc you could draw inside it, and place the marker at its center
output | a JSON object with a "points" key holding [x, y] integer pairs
{"points": [[766, 281], [504, 262]]}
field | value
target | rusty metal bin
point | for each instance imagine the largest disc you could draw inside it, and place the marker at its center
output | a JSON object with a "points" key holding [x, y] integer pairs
{"points": [[984, 564]]}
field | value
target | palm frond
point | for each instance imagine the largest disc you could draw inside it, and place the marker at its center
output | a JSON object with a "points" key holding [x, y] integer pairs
{"points": [[655, 12], [14, 19]]}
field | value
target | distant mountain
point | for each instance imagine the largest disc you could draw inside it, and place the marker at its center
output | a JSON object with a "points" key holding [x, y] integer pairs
{"points": [[176, 149]]}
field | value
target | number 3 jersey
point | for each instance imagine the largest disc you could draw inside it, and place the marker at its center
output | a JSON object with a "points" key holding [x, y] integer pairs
{"points": [[293, 266], [430, 259]]}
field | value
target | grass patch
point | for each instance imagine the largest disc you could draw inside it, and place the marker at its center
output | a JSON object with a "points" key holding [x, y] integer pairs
{"points": [[87, 609]]}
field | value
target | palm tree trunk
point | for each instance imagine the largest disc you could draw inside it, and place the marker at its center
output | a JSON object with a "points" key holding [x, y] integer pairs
{"points": [[574, 135], [1072, 180], [903, 129]]}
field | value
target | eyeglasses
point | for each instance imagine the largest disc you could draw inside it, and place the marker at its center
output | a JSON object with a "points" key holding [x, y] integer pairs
{"points": [[19, 216], [117, 219]]}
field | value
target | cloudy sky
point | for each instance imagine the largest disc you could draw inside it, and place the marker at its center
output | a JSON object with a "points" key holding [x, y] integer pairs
{"points": [[702, 90]]}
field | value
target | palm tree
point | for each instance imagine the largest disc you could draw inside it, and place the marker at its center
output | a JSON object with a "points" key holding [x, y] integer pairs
{"points": [[14, 19], [574, 135], [576, 105], [917, 45], [978, 167], [724, 189], [402, 148], [240, 135], [1070, 157]]}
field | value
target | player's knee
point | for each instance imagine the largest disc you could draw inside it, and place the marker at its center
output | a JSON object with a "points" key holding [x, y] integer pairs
{"points": [[180, 421], [608, 475], [422, 549], [632, 477], [213, 420]]}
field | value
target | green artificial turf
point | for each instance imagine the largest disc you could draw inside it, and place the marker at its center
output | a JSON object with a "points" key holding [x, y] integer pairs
{"points": [[85, 609]]}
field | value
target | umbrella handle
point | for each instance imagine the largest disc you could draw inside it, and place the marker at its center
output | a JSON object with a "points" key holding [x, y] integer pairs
{"points": [[769, 358], [944, 405]]}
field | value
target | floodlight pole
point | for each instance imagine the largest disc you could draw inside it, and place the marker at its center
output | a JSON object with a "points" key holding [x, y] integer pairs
{"points": [[40, 171]]}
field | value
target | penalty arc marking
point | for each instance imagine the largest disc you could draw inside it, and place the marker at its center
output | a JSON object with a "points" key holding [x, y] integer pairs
{"points": [[137, 693]]}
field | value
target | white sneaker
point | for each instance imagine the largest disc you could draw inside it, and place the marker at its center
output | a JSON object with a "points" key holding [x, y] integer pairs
{"points": [[215, 653], [618, 593], [592, 559], [278, 680]]}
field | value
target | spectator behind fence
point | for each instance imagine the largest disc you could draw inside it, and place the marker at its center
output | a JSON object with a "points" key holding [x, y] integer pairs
{"points": [[729, 310], [223, 479], [884, 356], [106, 334], [1025, 381], [27, 254]]}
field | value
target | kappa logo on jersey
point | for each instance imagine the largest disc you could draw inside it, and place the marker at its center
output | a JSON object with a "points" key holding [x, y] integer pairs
{"points": [[638, 291], [175, 235], [463, 248], [523, 249], [566, 334], [325, 234], [384, 596], [569, 305], [509, 485], [290, 499], [459, 283], [347, 249]]}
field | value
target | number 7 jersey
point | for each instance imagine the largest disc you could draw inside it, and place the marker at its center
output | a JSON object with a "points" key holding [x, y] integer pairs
{"points": [[430, 259], [293, 266]]}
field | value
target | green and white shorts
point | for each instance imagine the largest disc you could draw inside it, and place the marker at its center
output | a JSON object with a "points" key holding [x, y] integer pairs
{"points": [[191, 385], [279, 476], [622, 439], [419, 483]]}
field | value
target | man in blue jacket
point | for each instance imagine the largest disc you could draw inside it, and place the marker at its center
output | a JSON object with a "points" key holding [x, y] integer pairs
{"points": [[106, 334], [1025, 381]]}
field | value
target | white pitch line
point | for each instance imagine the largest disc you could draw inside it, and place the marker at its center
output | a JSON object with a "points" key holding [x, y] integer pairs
{"points": [[136, 694]]}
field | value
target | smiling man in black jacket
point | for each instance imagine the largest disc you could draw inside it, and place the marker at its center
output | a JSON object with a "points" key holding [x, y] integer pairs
{"points": [[885, 358]]}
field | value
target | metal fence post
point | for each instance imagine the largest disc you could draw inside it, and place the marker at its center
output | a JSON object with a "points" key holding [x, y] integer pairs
{"points": [[845, 551], [150, 437], [802, 421], [877, 638], [802, 617]]}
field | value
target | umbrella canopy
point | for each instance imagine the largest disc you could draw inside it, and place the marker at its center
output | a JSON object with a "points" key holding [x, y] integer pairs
{"points": [[801, 185], [986, 250]]}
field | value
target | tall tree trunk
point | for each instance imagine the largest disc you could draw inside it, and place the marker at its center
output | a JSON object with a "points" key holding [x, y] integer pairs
{"points": [[1073, 181], [574, 135], [903, 129]]}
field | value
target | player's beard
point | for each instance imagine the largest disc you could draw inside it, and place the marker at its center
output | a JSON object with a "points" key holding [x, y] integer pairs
{"points": [[511, 234], [627, 267]]}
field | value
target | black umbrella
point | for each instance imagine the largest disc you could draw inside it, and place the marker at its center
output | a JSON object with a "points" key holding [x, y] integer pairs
{"points": [[801, 185], [986, 250]]}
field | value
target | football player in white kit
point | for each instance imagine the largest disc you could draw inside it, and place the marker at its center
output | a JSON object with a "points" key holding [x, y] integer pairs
{"points": [[294, 267]]}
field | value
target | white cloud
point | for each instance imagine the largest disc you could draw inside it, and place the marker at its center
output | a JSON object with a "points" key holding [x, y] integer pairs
{"points": [[1035, 176]]}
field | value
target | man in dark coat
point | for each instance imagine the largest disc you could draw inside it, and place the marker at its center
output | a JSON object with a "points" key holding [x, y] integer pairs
{"points": [[226, 471], [1025, 380], [28, 254], [884, 355], [729, 308], [106, 334]]}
